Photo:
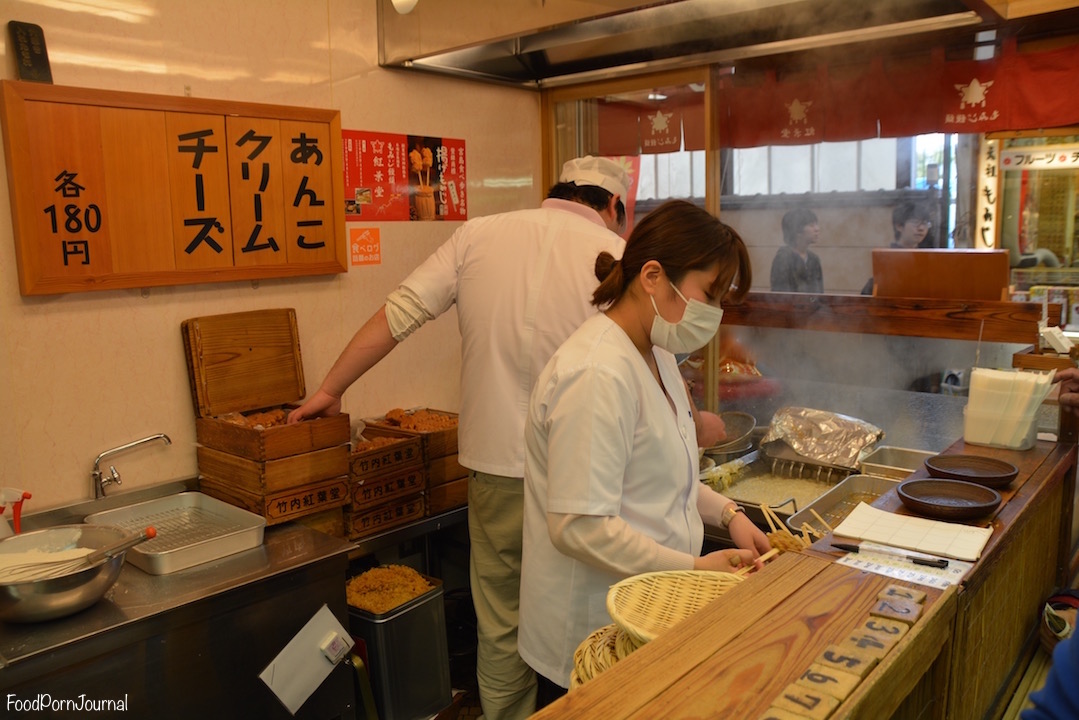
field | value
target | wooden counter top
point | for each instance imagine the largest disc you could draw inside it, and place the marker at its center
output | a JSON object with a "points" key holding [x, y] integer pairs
{"points": [[740, 652], [737, 655]]}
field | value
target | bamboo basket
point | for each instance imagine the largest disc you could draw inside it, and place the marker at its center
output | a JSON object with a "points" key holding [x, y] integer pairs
{"points": [[598, 652], [646, 605]]}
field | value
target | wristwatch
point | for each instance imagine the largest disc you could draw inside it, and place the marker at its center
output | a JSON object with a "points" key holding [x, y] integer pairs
{"points": [[729, 512]]}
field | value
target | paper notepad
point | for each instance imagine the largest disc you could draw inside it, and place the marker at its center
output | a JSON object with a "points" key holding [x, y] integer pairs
{"points": [[945, 539]]}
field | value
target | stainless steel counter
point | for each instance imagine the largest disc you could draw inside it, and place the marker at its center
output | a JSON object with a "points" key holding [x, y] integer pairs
{"points": [[137, 595], [175, 645]]}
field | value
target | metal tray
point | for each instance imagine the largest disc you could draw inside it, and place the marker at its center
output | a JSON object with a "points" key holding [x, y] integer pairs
{"points": [[192, 528], [838, 502], [894, 462]]}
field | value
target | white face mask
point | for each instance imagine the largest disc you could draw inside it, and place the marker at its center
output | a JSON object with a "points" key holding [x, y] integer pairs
{"points": [[699, 324]]}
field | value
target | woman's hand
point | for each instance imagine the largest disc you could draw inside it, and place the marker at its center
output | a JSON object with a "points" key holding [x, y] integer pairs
{"points": [[725, 560], [710, 429], [748, 536]]}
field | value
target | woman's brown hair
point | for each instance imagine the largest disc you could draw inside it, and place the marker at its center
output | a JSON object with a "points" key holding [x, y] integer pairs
{"points": [[681, 237]]}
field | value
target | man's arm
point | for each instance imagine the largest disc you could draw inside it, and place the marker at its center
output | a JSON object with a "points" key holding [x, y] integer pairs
{"points": [[368, 346]]}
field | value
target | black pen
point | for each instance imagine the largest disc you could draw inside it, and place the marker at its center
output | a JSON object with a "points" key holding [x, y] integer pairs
{"points": [[927, 562]]}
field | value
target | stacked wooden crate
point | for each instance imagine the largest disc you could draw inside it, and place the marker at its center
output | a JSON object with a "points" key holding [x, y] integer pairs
{"points": [[246, 367], [387, 482], [447, 479]]}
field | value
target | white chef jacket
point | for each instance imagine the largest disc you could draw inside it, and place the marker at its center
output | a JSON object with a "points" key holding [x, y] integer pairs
{"points": [[601, 439], [522, 281]]}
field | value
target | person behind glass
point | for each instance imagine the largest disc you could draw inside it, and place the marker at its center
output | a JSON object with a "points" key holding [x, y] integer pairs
{"points": [[910, 224], [522, 281], [611, 464], [795, 268]]}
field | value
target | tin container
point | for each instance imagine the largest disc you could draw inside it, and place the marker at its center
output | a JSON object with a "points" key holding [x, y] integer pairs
{"points": [[837, 503], [894, 462], [408, 655]]}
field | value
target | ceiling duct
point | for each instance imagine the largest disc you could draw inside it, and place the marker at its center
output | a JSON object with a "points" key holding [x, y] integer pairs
{"points": [[548, 43]]}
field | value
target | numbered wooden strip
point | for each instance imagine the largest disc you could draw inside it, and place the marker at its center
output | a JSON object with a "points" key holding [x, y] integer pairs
{"points": [[848, 658], [902, 592], [774, 713], [820, 678], [886, 628], [897, 609], [800, 700], [870, 643]]}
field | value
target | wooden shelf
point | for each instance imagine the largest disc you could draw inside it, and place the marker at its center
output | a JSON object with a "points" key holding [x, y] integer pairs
{"points": [[991, 321]]}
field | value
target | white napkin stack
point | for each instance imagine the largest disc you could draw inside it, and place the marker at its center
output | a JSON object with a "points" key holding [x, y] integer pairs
{"points": [[1003, 406]]}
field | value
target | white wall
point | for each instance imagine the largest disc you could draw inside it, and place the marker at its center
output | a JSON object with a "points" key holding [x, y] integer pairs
{"points": [[85, 372]]}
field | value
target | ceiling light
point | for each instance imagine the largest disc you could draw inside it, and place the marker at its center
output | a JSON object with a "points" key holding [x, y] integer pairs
{"points": [[404, 7]]}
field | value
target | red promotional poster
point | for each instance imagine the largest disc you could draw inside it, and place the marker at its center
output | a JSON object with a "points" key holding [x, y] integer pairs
{"points": [[403, 177]]}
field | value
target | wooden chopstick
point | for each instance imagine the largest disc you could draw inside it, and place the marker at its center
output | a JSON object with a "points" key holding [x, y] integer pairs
{"points": [[769, 511], [746, 569], [821, 520], [768, 518]]}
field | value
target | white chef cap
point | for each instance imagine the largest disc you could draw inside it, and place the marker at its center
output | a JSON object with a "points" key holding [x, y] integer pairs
{"points": [[597, 171]]}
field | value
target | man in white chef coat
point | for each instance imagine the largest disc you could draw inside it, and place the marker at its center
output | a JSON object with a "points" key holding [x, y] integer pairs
{"points": [[522, 282]]}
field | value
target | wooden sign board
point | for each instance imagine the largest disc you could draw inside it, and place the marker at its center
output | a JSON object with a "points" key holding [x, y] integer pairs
{"points": [[115, 190], [941, 273]]}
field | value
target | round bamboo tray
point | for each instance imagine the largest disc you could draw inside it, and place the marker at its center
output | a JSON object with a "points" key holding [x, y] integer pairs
{"points": [[646, 605], [595, 654]]}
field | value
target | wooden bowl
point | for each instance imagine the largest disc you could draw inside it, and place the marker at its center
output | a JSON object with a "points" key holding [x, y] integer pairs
{"points": [[972, 468], [948, 499]]}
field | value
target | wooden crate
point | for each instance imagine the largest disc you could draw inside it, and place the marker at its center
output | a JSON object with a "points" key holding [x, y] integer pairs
{"points": [[250, 362], [405, 453], [279, 507], [437, 443], [274, 475], [441, 470], [372, 491], [373, 520], [274, 442], [453, 494], [244, 363]]}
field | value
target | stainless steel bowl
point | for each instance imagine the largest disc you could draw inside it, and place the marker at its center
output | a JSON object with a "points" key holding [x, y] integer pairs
{"points": [[46, 599]]}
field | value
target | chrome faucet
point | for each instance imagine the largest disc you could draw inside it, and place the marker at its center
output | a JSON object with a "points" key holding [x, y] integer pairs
{"points": [[99, 482]]}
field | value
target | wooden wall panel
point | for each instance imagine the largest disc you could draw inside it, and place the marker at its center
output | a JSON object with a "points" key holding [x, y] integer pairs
{"points": [[199, 179], [137, 183], [309, 199], [256, 179], [115, 190], [72, 235]]}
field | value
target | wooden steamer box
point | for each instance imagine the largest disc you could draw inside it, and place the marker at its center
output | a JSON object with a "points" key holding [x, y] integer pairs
{"points": [[386, 483], [378, 518], [246, 363], [447, 479]]}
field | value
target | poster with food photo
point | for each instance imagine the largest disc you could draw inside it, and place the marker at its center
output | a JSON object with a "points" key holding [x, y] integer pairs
{"points": [[389, 176]]}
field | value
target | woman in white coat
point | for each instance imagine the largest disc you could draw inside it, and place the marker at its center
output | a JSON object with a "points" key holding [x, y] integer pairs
{"points": [[611, 464]]}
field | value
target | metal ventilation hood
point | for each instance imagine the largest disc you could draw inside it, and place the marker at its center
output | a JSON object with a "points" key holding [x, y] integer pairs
{"points": [[548, 43]]}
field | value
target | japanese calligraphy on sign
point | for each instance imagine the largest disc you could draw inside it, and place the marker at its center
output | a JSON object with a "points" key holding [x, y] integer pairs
{"points": [[985, 233], [129, 190], [403, 177]]}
